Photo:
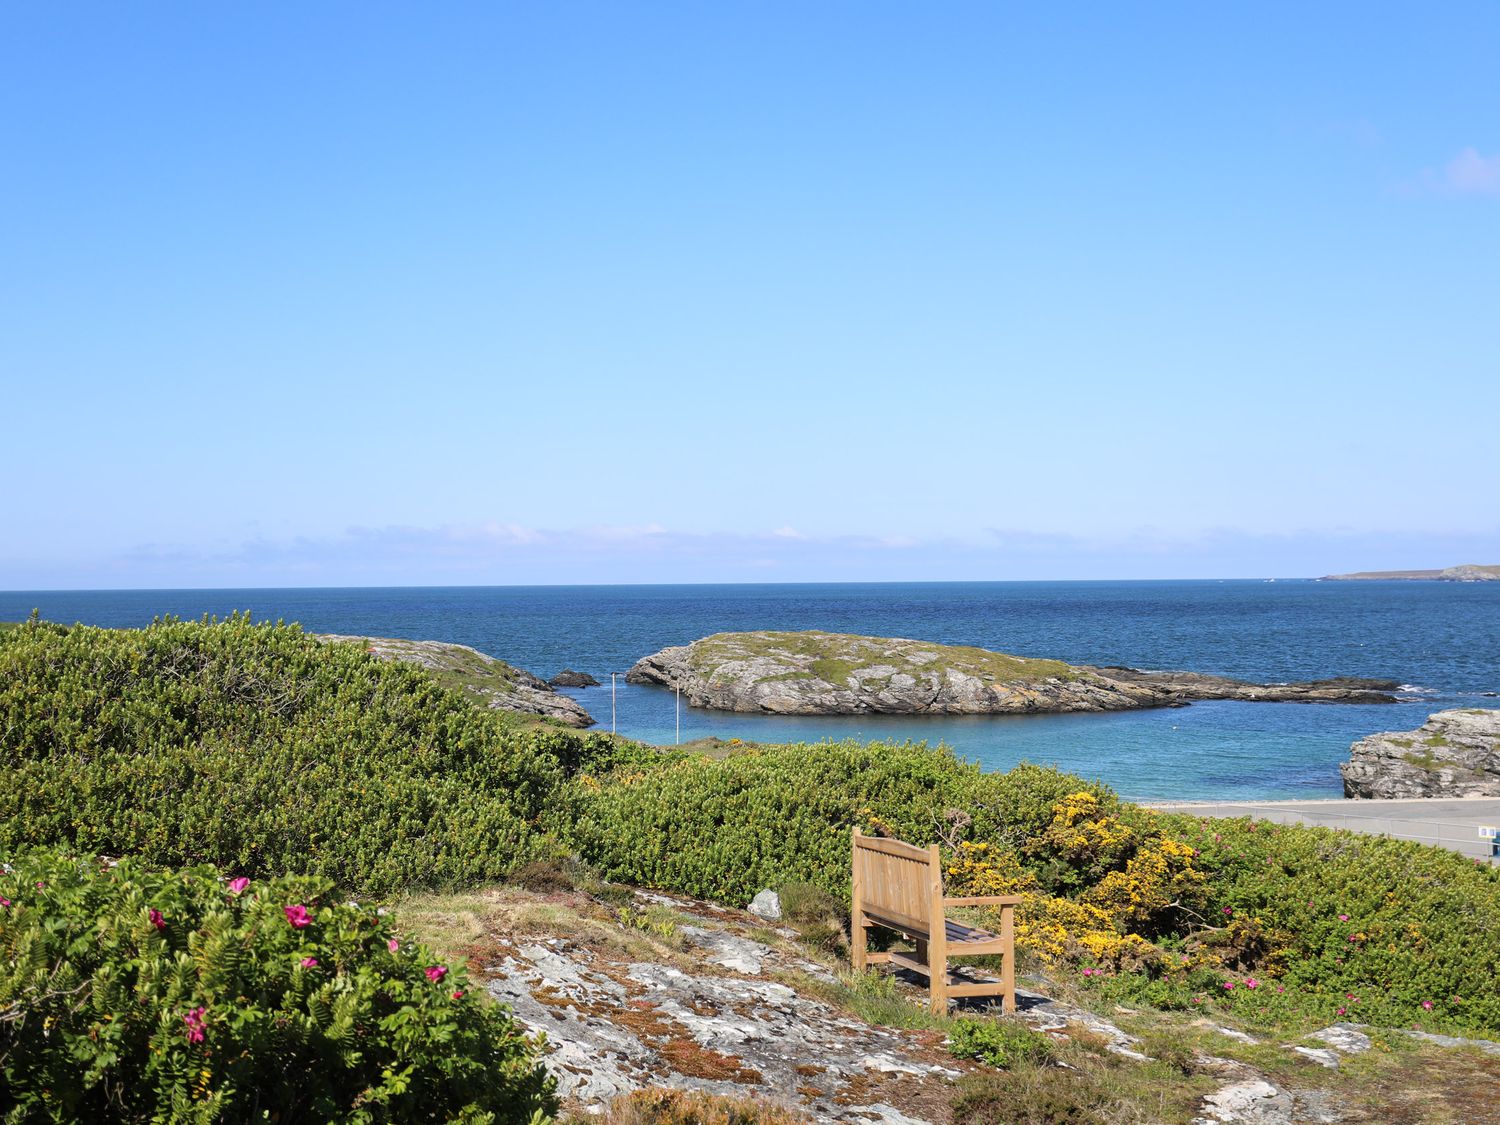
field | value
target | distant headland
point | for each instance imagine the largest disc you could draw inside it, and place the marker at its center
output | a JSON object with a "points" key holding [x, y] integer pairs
{"points": [[1468, 572]]}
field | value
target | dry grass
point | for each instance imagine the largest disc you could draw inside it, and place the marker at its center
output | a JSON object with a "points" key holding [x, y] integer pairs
{"points": [[690, 1107]]}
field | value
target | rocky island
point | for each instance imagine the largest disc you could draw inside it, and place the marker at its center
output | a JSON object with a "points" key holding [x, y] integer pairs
{"points": [[497, 685], [817, 673], [1452, 754]]}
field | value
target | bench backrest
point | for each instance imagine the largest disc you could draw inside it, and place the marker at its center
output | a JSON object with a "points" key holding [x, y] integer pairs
{"points": [[895, 879]]}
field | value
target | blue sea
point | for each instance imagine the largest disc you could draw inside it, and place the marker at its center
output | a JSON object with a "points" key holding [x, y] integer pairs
{"points": [[1442, 640]]}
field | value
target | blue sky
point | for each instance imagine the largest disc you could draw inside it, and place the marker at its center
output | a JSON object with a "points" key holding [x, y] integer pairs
{"points": [[348, 294]]}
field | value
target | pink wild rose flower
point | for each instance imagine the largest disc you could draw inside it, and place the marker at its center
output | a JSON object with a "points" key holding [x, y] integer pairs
{"points": [[194, 1021], [236, 886], [436, 973], [297, 916], [309, 962], [393, 945], [157, 920]]}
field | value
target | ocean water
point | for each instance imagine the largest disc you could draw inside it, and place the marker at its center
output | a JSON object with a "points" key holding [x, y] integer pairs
{"points": [[1440, 639]]}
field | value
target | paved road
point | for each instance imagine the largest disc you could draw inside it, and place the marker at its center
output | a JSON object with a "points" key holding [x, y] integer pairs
{"points": [[1465, 824]]}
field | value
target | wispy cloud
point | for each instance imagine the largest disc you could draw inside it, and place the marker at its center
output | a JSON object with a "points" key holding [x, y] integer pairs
{"points": [[510, 554], [1468, 173]]}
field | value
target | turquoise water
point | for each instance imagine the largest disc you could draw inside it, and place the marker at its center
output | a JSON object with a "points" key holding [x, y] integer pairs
{"points": [[1442, 639]]}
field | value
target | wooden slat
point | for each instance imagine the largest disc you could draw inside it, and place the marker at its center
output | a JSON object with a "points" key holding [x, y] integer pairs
{"points": [[907, 961], [892, 847], [911, 927], [982, 900], [996, 988], [963, 987], [958, 932]]}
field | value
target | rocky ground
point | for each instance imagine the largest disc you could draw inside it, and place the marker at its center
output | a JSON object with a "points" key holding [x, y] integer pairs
{"points": [[838, 674], [495, 683], [1453, 754], [650, 990]]}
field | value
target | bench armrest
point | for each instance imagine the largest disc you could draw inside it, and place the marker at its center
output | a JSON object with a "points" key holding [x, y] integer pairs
{"points": [[983, 900]]}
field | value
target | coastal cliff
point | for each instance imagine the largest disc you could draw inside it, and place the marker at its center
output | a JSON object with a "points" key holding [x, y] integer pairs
{"points": [[816, 673], [497, 685], [1453, 754]]}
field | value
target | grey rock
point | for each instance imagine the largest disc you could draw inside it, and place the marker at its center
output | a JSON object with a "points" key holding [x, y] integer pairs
{"points": [[1251, 1102], [1453, 754], [818, 673], [1487, 1046], [569, 678], [1345, 1037], [493, 682], [726, 950], [1237, 1036], [1320, 1055], [766, 905]]}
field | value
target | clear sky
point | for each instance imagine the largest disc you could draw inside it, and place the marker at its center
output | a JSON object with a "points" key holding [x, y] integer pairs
{"points": [[373, 294]]}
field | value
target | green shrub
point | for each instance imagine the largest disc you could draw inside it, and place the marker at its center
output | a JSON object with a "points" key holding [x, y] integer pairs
{"points": [[1380, 928], [999, 1043], [767, 817], [266, 751], [132, 995]]}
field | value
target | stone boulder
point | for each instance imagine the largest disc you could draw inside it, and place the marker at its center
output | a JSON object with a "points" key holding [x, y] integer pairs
{"points": [[569, 678], [1453, 754]]}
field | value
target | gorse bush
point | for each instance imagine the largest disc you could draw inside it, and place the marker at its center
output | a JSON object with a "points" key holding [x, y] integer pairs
{"points": [[264, 750], [138, 996]]}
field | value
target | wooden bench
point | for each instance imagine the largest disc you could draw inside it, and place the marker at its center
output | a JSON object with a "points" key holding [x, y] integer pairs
{"points": [[899, 887]]}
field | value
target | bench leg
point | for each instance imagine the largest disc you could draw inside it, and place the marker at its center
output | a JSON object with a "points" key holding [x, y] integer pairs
{"points": [[1008, 965], [939, 984], [859, 942]]}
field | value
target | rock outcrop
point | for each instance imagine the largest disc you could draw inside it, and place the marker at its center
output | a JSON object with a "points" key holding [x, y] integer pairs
{"points": [[1453, 754], [817, 673], [496, 684], [569, 678]]}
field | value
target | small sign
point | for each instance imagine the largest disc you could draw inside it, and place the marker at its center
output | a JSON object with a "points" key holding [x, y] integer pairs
{"points": [[1487, 833]]}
